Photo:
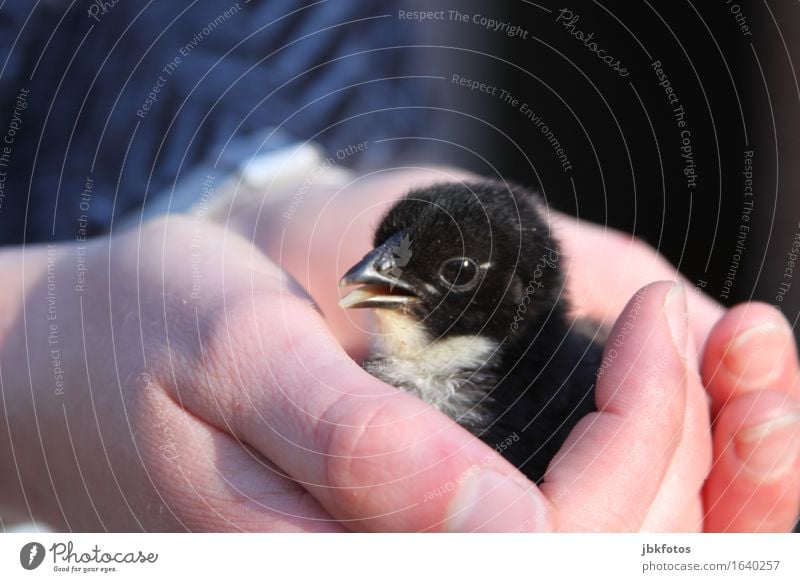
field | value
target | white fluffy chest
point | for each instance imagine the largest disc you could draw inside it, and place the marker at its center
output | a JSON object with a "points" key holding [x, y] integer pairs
{"points": [[448, 373]]}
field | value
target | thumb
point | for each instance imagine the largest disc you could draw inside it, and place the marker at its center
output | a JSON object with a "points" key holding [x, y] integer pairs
{"points": [[629, 443]]}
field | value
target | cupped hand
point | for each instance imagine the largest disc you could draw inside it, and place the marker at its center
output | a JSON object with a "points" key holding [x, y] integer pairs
{"points": [[316, 252], [246, 413], [202, 390], [749, 364], [205, 391]]}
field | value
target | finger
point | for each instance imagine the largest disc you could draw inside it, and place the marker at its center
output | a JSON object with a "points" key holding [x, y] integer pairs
{"points": [[374, 457], [206, 480], [750, 349], [751, 371], [612, 466], [754, 483], [678, 507], [601, 289]]}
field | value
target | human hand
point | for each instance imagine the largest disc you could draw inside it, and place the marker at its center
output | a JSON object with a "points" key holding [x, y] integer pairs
{"points": [[219, 434], [751, 371], [750, 383], [203, 391], [599, 289]]}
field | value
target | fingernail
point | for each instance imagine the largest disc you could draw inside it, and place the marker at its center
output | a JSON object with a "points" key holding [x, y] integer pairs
{"points": [[678, 316], [771, 449], [491, 502], [754, 356]]}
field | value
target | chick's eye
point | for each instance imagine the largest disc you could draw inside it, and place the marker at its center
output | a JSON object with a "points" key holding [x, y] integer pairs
{"points": [[459, 273]]}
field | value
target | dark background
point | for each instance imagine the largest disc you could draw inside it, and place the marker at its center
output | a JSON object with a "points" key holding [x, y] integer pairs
{"points": [[738, 91]]}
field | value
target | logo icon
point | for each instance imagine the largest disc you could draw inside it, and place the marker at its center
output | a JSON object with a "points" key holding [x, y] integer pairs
{"points": [[31, 555]]}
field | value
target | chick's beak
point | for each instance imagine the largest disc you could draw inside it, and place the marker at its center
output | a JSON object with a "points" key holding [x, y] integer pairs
{"points": [[379, 276]]}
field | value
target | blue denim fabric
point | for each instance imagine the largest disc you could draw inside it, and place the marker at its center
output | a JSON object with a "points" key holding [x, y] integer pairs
{"points": [[124, 99]]}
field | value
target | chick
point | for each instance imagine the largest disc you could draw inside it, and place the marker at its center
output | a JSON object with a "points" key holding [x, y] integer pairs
{"points": [[467, 287]]}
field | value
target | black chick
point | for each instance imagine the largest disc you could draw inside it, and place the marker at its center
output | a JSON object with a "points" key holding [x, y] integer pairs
{"points": [[468, 292]]}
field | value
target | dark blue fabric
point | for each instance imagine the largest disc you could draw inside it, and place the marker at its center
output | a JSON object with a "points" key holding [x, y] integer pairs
{"points": [[87, 81]]}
